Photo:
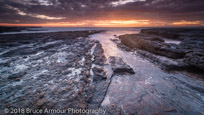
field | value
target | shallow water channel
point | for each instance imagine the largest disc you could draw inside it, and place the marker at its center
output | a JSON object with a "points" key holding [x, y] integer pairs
{"points": [[150, 90]]}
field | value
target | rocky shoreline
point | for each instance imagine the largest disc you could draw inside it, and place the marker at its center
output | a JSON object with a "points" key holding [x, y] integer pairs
{"points": [[52, 70], [17, 29], [61, 70], [57, 70], [187, 54]]}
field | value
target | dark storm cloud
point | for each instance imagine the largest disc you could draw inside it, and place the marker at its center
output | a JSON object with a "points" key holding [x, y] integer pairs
{"points": [[39, 11]]}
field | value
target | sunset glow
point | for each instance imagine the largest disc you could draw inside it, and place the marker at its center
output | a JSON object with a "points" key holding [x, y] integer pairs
{"points": [[111, 13], [123, 23], [102, 57], [90, 23], [183, 22]]}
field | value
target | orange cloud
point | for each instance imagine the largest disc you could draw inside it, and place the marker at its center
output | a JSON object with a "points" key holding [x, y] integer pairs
{"points": [[121, 23], [90, 23], [183, 22], [109, 23]]}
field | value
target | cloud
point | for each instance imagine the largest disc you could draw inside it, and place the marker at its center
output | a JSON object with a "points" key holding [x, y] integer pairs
{"points": [[121, 23], [184, 22], [95, 23], [45, 17], [35, 15], [55, 11], [45, 2], [122, 2]]}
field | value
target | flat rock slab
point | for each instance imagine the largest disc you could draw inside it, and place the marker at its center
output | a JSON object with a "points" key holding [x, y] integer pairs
{"points": [[119, 66]]}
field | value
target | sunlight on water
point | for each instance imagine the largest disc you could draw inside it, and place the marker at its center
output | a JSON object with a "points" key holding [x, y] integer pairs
{"points": [[110, 47], [149, 84], [64, 29], [172, 41]]}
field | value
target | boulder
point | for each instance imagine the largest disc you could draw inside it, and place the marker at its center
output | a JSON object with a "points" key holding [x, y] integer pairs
{"points": [[120, 67]]}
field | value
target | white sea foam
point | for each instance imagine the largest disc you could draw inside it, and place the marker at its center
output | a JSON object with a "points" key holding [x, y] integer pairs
{"points": [[92, 52], [75, 72], [40, 73], [19, 68], [82, 61]]}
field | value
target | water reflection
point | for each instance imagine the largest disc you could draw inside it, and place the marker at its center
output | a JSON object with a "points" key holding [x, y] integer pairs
{"points": [[109, 47], [150, 89]]}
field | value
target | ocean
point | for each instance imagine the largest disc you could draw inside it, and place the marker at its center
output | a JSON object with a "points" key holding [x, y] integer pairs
{"points": [[63, 29]]}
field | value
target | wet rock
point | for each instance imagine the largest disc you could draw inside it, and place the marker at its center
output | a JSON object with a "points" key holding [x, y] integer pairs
{"points": [[192, 44], [98, 58], [87, 73], [195, 60], [161, 32], [151, 44], [41, 102], [175, 33], [18, 79], [164, 62], [114, 40], [120, 45], [188, 55], [99, 74], [115, 36], [17, 76], [120, 67], [58, 66]]}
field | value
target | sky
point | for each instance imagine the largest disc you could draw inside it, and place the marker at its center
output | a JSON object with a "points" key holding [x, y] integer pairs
{"points": [[102, 13]]}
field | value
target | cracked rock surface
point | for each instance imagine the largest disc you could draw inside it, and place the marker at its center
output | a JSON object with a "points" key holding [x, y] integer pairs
{"points": [[51, 70]]}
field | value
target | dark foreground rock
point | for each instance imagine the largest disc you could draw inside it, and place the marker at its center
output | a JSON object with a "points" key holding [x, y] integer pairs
{"points": [[188, 55], [118, 66], [51, 70]]}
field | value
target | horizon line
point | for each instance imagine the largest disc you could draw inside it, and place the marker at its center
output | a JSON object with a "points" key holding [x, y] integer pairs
{"points": [[103, 27]]}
